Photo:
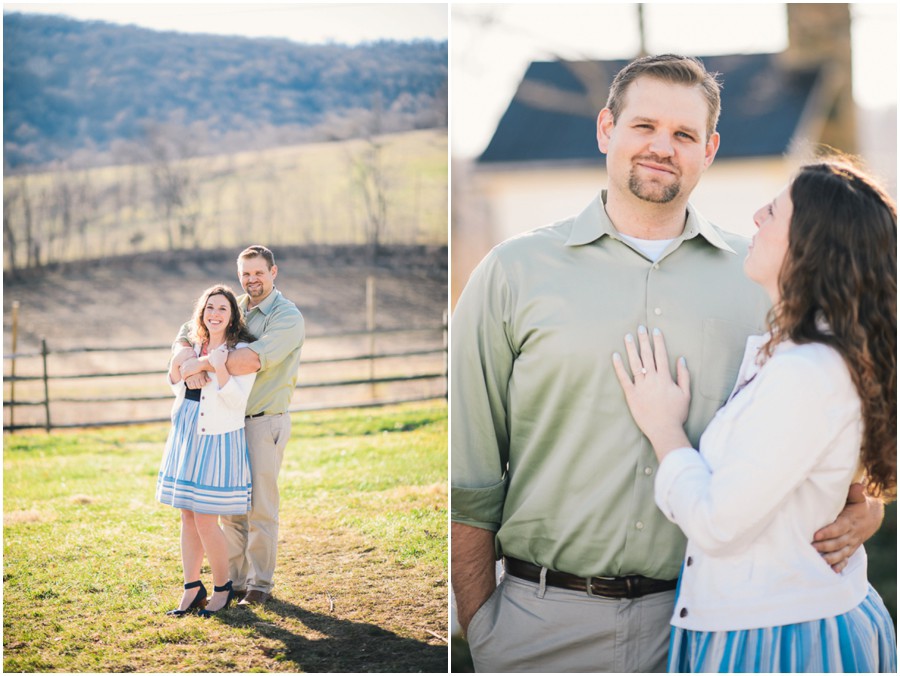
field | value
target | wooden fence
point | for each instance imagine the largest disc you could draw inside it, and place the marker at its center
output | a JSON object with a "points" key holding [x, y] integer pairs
{"points": [[358, 368]]}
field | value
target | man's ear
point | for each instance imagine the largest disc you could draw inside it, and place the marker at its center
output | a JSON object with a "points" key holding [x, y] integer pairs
{"points": [[605, 124], [712, 147]]}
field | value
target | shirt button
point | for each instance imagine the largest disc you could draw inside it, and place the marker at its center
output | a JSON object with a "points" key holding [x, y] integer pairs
{"points": [[201, 413], [639, 525], [656, 266], [690, 561], [648, 471], [657, 311], [202, 429], [683, 612]]}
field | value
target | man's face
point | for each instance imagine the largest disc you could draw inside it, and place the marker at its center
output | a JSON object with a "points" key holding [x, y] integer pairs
{"points": [[657, 149], [256, 277]]}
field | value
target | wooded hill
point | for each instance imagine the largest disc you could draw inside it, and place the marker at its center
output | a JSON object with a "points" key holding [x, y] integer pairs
{"points": [[85, 92]]}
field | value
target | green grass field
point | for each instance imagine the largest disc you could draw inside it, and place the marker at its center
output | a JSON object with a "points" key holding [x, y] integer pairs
{"points": [[91, 560]]}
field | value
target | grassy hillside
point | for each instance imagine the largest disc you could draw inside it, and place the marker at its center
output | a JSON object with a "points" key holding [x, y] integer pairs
{"points": [[392, 188]]}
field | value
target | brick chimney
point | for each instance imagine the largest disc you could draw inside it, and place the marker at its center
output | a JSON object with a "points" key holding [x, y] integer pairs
{"points": [[819, 35]]}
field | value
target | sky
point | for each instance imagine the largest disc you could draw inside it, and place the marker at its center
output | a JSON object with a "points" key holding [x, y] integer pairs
{"points": [[348, 23], [491, 46]]}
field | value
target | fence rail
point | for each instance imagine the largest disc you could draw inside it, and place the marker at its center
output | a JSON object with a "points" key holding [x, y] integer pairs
{"points": [[432, 351]]}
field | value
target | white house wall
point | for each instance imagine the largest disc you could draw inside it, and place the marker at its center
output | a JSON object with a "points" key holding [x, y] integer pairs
{"points": [[520, 200]]}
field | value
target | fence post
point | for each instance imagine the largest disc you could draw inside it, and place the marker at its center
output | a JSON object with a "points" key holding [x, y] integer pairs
{"points": [[12, 382], [46, 385], [446, 355], [370, 327]]}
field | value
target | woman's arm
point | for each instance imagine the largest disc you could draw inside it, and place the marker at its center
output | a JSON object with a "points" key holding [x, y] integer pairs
{"points": [[779, 437]]}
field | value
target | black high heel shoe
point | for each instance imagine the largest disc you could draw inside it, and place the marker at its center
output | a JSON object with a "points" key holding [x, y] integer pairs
{"points": [[198, 603], [225, 587]]}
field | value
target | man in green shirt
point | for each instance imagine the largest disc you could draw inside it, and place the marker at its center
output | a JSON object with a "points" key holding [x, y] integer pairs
{"points": [[274, 355], [549, 470]]}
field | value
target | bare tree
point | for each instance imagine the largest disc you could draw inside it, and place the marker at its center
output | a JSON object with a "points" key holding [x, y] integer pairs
{"points": [[174, 185], [10, 241], [371, 181], [32, 246]]}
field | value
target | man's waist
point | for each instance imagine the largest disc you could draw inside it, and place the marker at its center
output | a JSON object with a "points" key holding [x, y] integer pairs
{"points": [[620, 587]]}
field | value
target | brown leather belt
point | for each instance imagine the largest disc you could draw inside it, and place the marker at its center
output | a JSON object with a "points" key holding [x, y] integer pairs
{"points": [[628, 587]]}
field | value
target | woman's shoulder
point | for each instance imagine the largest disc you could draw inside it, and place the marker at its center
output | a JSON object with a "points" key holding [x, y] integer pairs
{"points": [[816, 364], [807, 354]]}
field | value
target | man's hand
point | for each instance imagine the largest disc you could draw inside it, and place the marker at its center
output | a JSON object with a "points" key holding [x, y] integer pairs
{"points": [[197, 381], [181, 353], [859, 521], [192, 366], [473, 568]]}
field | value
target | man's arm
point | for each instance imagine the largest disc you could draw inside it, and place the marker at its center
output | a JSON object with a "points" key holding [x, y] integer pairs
{"points": [[472, 569], [860, 520], [240, 362]]}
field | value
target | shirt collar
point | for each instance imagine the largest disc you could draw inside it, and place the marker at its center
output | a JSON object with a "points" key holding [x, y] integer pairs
{"points": [[265, 307], [593, 223]]}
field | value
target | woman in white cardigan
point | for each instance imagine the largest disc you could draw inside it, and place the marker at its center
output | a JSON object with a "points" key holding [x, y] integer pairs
{"points": [[205, 469], [814, 410]]}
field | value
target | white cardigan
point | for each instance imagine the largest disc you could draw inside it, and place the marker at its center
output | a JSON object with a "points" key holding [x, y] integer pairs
{"points": [[221, 410], [774, 466]]}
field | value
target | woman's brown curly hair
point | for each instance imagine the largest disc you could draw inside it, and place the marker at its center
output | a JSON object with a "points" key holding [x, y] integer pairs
{"points": [[236, 331], [841, 266]]}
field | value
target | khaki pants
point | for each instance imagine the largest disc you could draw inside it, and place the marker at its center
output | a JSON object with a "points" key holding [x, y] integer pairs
{"points": [[522, 628], [252, 538]]}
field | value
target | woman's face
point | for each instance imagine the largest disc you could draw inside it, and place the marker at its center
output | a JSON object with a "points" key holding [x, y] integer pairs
{"points": [[770, 243], [216, 314]]}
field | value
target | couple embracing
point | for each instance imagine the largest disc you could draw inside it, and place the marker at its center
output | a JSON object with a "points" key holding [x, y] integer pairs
{"points": [[233, 371], [706, 522]]}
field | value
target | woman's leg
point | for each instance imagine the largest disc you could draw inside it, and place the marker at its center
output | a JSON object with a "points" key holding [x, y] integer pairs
{"points": [[191, 556], [217, 552]]}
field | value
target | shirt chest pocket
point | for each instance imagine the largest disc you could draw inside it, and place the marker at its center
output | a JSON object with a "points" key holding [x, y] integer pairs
{"points": [[722, 351]]}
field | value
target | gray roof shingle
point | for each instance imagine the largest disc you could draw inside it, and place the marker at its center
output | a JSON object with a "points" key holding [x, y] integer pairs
{"points": [[552, 117]]}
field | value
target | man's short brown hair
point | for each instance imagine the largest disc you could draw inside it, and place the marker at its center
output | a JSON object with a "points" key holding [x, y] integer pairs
{"points": [[672, 68], [257, 250]]}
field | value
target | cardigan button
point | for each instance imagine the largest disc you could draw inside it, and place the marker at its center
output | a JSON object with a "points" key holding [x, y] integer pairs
{"points": [[683, 612]]}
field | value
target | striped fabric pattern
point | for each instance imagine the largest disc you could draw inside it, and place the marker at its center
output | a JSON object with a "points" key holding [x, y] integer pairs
{"points": [[209, 474], [859, 641]]}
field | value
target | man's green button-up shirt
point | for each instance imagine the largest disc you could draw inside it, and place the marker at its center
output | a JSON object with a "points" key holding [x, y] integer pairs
{"points": [[280, 331], [544, 448]]}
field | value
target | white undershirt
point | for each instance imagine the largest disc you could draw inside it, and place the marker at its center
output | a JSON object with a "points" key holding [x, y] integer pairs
{"points": [[651, 248]]}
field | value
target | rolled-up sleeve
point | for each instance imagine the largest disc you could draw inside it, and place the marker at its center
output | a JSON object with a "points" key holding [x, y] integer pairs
{"points": [[184, 335], [481, 363], [285, 332]]}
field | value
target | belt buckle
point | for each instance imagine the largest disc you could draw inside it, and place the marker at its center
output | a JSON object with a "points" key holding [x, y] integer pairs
{"points": [[589, 585]]}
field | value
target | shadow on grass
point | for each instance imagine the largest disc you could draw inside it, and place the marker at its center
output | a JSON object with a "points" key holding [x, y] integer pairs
{"points": [[345, 646]]}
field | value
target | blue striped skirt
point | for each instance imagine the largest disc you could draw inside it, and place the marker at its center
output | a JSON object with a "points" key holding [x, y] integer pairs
{"points": [[861, 640], [205, 473]]}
